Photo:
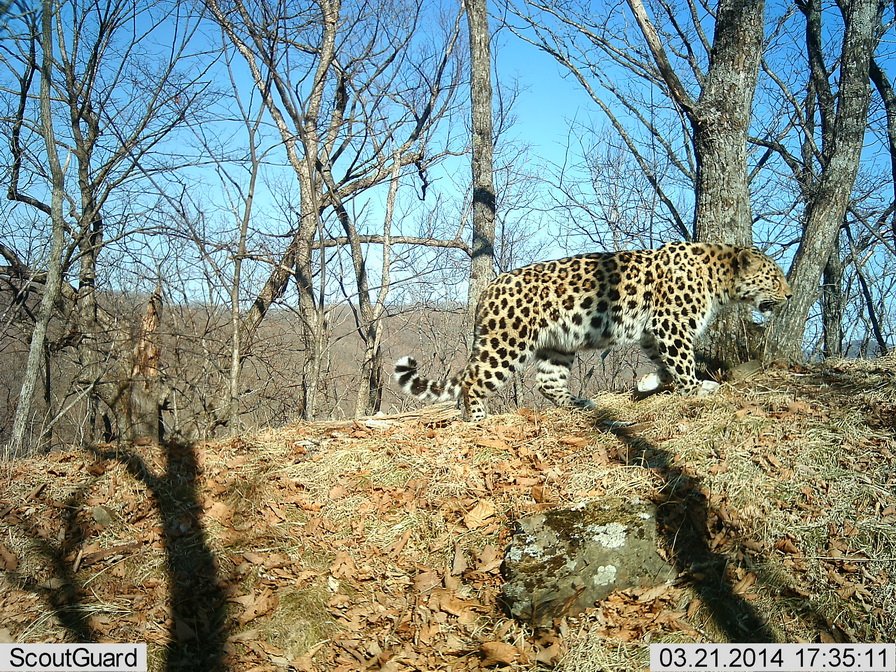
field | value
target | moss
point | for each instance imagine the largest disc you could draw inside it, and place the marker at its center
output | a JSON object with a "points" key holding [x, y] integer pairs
{"points": [[578, 525]]}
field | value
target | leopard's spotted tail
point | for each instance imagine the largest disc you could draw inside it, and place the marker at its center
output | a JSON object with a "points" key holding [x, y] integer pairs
{"points": [[424, 389]]}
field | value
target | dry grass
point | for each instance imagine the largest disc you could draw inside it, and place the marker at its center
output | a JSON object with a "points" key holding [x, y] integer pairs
{"points": [[334, 546]]}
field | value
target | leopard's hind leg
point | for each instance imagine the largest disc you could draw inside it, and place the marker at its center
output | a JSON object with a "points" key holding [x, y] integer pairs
{"points": [[552, 368], [493, 363]]}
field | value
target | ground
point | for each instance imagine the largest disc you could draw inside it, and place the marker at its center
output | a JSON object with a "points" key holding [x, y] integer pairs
{"points": [[377, 544]]}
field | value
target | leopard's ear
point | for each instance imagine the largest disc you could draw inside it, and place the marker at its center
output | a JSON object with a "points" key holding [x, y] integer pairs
{"points": [[749, 257]]}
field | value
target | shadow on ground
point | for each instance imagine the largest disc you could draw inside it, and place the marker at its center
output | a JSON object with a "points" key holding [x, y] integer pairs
{"points": [[62, 592], [682, 516], [196, 594]]}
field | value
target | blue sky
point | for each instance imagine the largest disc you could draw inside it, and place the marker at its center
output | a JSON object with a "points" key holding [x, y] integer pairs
{"points": [[547, 100]]}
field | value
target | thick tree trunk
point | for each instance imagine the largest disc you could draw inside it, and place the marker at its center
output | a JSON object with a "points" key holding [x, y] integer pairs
{"points": [[723, 215], [483, 266], [720, 125]]}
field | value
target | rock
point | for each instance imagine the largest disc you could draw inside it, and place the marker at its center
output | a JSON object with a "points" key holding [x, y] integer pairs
{"points": [[707, 388], [745, 370], [562, 561], [103, 516], [649, 383]]}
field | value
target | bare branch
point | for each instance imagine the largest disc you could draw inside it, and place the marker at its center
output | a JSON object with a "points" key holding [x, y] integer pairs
{"points": [[676, 88]]}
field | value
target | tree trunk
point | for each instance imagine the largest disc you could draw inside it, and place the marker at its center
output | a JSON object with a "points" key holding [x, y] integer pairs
{"points": [[369, 398], [825, 212], [373, 354], [313, 371], [53, 286], [720, 126], [832, 304], [483, 266], [46, 439], [236, 336], [236, 353]]}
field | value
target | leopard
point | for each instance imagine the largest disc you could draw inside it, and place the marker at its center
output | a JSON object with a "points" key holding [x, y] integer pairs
{"points": [[660, 299]]}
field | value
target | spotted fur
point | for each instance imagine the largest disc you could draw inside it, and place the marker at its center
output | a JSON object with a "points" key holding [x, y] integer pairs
{"points": [[661, 299]]}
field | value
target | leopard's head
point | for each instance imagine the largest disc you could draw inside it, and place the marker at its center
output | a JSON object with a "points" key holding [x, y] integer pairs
{"points": [[759, 281]]}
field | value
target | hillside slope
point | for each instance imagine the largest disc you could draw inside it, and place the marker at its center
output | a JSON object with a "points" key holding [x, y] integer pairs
{"points": [[377, 544]]}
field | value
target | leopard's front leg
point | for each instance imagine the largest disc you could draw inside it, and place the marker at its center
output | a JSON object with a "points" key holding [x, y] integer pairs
{"points": [[674, 354]]}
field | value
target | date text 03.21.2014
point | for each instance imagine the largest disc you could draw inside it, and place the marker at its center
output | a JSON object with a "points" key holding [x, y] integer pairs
{"points": [[773, 657]]}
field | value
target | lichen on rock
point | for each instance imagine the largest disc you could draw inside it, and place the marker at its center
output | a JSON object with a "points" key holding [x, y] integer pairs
{"points": [[561, 562]]}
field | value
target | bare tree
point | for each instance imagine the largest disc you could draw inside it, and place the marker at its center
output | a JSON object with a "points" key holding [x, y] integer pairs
{"points": [[242, 204], [720, 116], [828, 174], [109, 100], [369, 322], [350, 108], [53, 286]]}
